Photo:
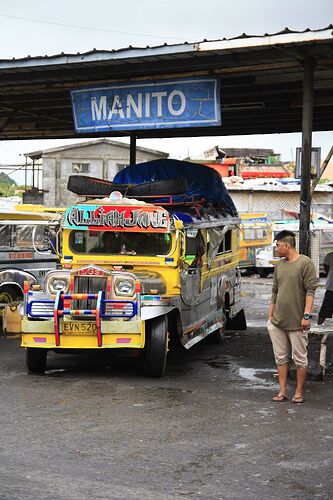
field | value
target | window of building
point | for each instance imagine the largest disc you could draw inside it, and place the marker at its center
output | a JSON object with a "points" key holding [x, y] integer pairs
{"points": [[80, 168]]}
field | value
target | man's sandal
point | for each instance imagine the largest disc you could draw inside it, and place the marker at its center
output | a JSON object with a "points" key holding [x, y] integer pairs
{"points": [[279, 398], [298, 400]]}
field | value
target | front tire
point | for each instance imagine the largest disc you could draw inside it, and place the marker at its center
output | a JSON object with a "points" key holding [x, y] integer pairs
{"points": [[156, 347], [36, 360], [10, 294]]}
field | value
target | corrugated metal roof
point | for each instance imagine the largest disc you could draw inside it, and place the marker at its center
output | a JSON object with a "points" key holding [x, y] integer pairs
{"points": [[38, 154], [284, 36]]}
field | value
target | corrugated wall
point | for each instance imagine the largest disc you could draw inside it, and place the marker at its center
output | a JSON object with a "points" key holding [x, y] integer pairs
{"points": [[273, 202]]}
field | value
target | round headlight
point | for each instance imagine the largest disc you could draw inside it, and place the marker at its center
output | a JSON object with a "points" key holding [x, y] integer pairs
{"points": [[57, 284], [124, 286]]}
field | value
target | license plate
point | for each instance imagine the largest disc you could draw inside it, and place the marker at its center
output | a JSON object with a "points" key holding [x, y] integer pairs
{"points": [[77, 328]]}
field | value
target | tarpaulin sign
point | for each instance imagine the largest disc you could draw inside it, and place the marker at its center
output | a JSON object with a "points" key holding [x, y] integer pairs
{"points": [[187, 102]]}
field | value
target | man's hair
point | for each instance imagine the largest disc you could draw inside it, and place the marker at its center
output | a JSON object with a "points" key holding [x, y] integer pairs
{"points": [[286, 237]]}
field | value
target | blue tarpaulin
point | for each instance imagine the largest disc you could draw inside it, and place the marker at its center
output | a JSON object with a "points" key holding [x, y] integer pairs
{"points": [[203, 181]]}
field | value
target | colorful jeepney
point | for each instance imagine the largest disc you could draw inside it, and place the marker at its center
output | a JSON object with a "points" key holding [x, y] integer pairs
{"points": [[136, 275], [256, 232], [26, 251]]}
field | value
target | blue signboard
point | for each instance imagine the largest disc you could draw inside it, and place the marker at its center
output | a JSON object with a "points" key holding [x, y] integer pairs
{"points": [[187, 102]]}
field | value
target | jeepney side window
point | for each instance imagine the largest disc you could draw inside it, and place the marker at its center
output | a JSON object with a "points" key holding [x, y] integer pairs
{"points": [[41, 236], [5, 237], [23, 239], [249, 233], [195, 247], [225, 245]]}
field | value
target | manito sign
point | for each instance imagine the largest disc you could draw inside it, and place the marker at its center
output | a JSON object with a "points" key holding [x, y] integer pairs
{"points": [[187, 102]]}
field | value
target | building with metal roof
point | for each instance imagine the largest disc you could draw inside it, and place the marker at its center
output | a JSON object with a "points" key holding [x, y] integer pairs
{"points": [[102, 158]]}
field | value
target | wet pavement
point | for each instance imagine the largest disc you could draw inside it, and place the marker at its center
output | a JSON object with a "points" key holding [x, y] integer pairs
{"points": [[95, 428]]}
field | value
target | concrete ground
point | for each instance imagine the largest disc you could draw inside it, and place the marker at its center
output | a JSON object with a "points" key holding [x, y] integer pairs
{"points": [[95, 428]]}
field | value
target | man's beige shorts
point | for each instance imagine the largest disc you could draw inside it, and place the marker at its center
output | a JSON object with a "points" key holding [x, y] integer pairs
{"points": [[289, 342]]}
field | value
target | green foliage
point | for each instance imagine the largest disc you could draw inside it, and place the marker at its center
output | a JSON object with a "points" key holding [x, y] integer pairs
{"points": [[5, 179], [7, 189]]}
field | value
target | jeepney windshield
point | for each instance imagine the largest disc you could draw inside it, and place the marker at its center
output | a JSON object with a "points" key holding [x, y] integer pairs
{"points": [[24, 237], [113, 243]]}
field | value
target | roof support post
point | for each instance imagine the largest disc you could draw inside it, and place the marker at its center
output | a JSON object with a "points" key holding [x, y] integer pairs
{"points": [[304, 223], [133, 150]]}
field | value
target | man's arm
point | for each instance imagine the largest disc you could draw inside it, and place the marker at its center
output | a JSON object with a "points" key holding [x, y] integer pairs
{"points": [[271, 311], [274, 296], [310, 282], [309, 299]]}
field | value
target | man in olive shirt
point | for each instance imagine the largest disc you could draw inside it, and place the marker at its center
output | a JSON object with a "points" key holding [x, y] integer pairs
{"points": [[289, 317]]}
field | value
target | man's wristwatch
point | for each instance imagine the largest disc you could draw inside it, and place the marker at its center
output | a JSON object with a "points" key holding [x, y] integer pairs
{"points": [[307, 316]]}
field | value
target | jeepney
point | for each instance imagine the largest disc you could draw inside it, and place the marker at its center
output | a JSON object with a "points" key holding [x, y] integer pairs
{"points": [[26, 251], [255, 232], [137, 275]]}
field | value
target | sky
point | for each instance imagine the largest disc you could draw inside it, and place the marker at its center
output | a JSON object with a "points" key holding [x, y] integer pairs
{"points": [[46, 27]]}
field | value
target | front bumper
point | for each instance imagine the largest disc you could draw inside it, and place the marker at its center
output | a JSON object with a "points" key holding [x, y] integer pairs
{"points": [[115, 334]]}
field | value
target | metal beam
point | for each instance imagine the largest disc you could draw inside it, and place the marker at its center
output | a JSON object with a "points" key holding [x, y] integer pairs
{"points": [[133, 150], [307, 117]]}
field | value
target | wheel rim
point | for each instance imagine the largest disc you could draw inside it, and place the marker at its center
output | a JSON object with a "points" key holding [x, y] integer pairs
{"points": [[6, 298]]}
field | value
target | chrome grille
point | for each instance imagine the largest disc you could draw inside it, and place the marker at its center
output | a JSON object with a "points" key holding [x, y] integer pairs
{"points": [[88, 284]]}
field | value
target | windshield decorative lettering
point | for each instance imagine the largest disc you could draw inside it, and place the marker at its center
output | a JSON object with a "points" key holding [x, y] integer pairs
{"points": [[118, 218]]}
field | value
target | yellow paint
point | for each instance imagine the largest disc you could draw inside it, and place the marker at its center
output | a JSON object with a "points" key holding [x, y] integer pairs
{"points": [[109, 341]]}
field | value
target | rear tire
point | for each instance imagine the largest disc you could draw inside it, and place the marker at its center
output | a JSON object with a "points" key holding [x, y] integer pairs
{"points": [[238, 322], [36, 360], [156, 347], [216, 337]]}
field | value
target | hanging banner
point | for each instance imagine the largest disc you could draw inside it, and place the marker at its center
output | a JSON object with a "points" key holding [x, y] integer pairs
{"points": [[187, 102]]}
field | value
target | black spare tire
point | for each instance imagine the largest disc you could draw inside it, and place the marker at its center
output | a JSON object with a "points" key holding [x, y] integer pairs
{"points": [[159, 188], [93, 186], [84, 186]]}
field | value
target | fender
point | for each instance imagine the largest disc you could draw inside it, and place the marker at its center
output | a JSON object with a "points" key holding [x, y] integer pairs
{"points": [[149, 312], [10, 276]]}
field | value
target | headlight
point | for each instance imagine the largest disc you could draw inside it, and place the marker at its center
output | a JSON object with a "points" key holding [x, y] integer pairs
{"points": [[124, 286], [57, 283]]}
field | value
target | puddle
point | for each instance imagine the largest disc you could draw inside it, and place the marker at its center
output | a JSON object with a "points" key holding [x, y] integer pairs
{"points": [[257, 378]]}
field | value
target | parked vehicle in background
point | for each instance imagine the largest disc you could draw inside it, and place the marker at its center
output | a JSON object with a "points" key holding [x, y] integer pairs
{"points": [[141, 275], [321, 243], [255, 231], [27, 251]]}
